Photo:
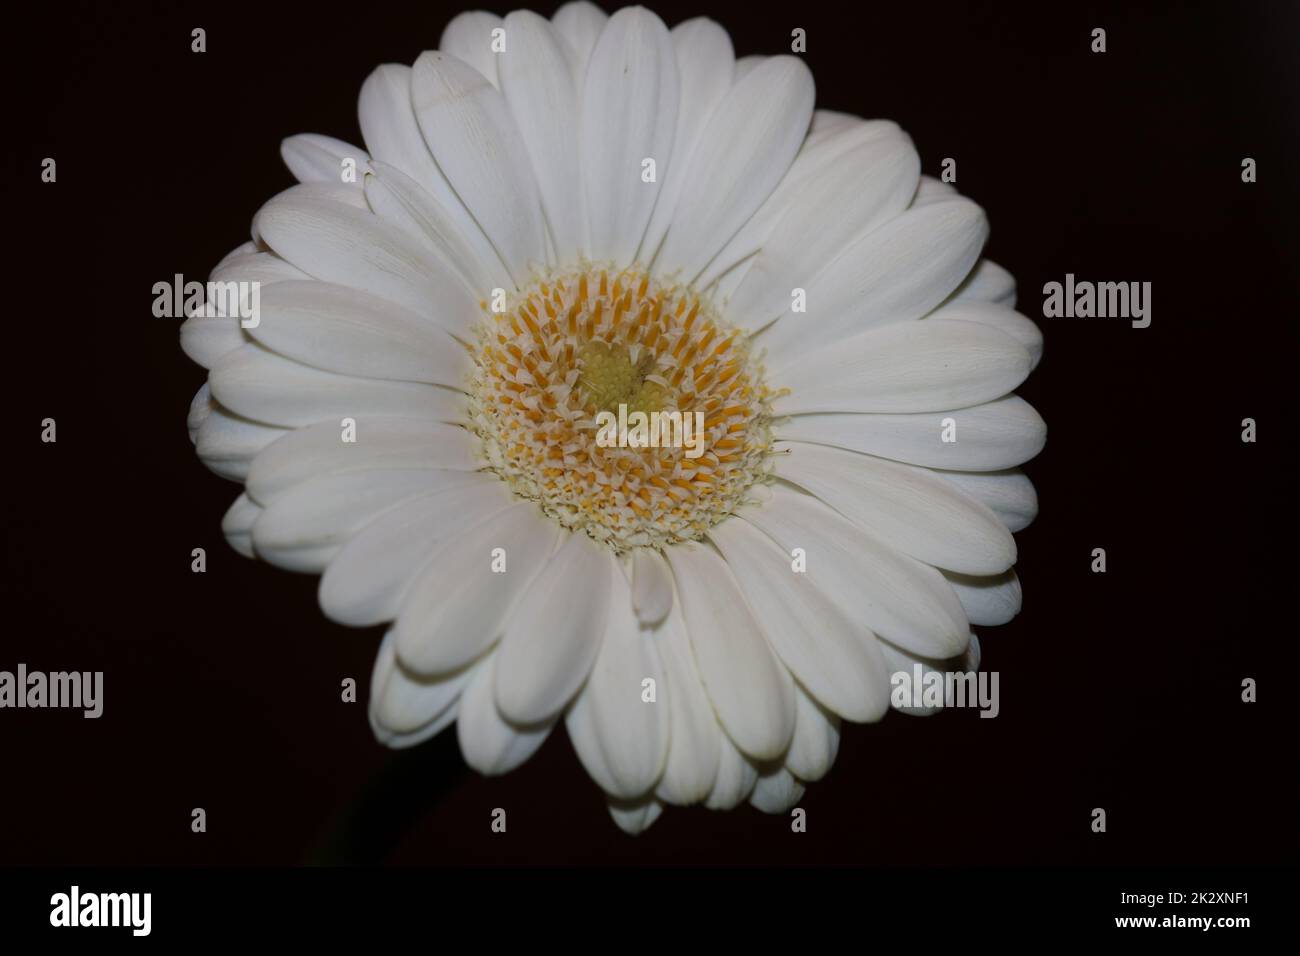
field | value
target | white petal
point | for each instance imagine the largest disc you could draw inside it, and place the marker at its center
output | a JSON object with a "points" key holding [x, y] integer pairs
{"points": [[988, 601], [899, 598], [371, 576], [751, 690], [629, 112], [397, 198], [459, 602], [473, 137], [408, 704], [776, 791], [554, 635], [816, 737], [652, 585], [314, 158], [621, 739], [385, 663], [634, 817], [1000, 317], [389, 126], [468, 37], [304, 527], [988, 282], [488, 742], [537, 80], [927, 366], [862, 187], [580, 23], [735, 778], [899, 271], [265, 387], [836, 658], [908, 508], [227, 443], [695, 739], [381, 443], [237, 525], [705, 66], [337, 243], [800, 180], [206, 338], [905, 662], [342, 330], [988, 437], [1010, 494], [752, 140], [201, 406]]}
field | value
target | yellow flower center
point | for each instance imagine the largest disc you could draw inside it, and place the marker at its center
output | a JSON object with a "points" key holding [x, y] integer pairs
{"points": [[583, 345]]}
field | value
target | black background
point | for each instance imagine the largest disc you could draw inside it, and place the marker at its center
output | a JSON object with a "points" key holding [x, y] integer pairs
{"points": [[1119, 690]]}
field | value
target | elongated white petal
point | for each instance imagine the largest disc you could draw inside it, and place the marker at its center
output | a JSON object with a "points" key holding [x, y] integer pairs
{"points": [[835, 657], [337, 243], [896, 272], [237, 524], [201, 406], [988, 282], [580, 23], [469, 37], [816, 737], [408, 703], [753, 137], [368, 580], [472, 135], [734, 780], [460, 601], [910, 676], [634, 817], [988, 601], [622, 739], [1000, 317], [705, 66], [695, 739], [342, 330], [303, 528], [265, 387], [399, 199], [205, 337], [776, 791], [554, 635], [988, 437], [227, 443], [313, 158], [537, 80], [927, 366], [378, 443], [652, 585], [1010, 494], [629, 113], [488, 742], [899, 598], [862, 187], [817, 151], [751, 690], [905, 507], [391, 131]]}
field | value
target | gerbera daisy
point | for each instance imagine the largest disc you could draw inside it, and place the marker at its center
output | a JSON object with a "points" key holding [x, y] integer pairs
{"points": [[556, 219]]}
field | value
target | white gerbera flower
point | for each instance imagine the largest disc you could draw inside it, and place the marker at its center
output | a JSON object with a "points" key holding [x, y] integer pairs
{"points": [[593, 212]]}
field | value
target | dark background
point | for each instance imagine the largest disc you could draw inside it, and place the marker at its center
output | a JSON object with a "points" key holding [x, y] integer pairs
{"points": [[1119, 690]]}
